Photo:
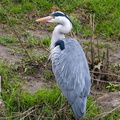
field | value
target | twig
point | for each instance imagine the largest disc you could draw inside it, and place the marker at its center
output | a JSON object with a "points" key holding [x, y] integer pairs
{"points": [[98, 50], [90, 106], [54, 116], [45, 48], [105, 113], [105, 81], [18, 114], [105, 73], [58, 98], [39, 117], [107, 58], [92, 37], [27, 114]]}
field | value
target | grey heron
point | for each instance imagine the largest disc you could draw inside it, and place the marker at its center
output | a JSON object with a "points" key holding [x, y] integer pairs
{"points": [[69, 64]]}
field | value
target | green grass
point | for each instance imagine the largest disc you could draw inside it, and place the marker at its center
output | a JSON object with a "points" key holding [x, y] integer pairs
{"points": [[46, 41], [49, 102], [106, 13], [6, 40]]}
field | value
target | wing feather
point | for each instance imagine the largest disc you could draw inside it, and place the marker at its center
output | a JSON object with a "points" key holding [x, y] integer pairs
{"points": [[71, 70]]}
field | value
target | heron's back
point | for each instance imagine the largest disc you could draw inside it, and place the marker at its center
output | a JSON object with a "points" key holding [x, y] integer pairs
{"points": [[72, 74]]}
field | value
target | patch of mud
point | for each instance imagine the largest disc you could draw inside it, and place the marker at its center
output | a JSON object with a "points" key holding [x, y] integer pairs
{"points": [[7, 56], [39, 34], [109, 101], [40, 51], [33, 84], [116, 55]]}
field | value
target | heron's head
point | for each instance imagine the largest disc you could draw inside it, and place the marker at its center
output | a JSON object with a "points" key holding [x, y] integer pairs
{"points": [[56, 17]]}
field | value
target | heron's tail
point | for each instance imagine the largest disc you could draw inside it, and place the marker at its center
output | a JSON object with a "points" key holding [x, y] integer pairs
{"points": [[79, 107]]}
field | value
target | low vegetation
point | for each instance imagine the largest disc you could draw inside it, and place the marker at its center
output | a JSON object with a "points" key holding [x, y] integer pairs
{"points": [[93, 19], [106, 14]]}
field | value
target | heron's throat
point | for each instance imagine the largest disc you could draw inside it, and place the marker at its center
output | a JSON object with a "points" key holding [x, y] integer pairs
{"points": [[59, 31], [55, 37]]}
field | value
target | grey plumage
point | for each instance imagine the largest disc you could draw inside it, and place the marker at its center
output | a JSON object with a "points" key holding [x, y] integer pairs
{"points": [[72, 74], [69, 64]]}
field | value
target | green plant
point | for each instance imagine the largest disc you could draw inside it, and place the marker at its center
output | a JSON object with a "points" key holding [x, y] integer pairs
{"points": [[113, 87], [32, 41], [77, 27], [48, 74], [46, 41], [2, 14], [14, 20], [10, 86], [86, 31], [106, 13], [92, 108], [5, 40], [48, 102]]}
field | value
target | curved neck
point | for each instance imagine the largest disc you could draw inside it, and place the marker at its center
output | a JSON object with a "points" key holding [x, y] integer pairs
{"points": [[59, 31]]}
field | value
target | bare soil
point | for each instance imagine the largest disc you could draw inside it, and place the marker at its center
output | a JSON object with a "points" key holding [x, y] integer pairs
{"points": [[32, 83], [7, 56], [109, 101]]}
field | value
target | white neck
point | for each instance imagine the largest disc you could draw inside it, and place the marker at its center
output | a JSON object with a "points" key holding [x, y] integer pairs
{"points": [[60, 30]]}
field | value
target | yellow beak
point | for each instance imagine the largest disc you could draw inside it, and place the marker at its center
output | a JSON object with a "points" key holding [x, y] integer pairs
{"points": [[44, 19]]}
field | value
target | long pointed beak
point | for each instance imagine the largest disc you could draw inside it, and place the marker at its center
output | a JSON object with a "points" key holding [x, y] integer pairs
{"points": [[44, 19]]}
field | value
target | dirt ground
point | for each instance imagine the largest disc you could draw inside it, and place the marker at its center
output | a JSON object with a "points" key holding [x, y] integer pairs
{"points": [[107, 101]]}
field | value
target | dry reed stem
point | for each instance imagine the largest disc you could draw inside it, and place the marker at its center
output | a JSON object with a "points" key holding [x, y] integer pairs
{"points": [[105, 73], [104, 114], [98, 80], [21, 114], [92, 37]]}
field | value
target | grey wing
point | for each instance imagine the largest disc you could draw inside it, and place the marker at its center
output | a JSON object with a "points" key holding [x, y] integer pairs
{"points": [[71, 72]]}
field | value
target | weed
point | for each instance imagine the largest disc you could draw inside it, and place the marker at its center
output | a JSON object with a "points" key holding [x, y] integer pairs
{"points": [[10, 86], [32, 41], [2, 14], [113, 87], [76, 24], [48, 74], [14, 20], [46, 41], [49, 103], [46, 102], [112, 116], [86, 31], [106, 13], [4, 40], [92, 108]]}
